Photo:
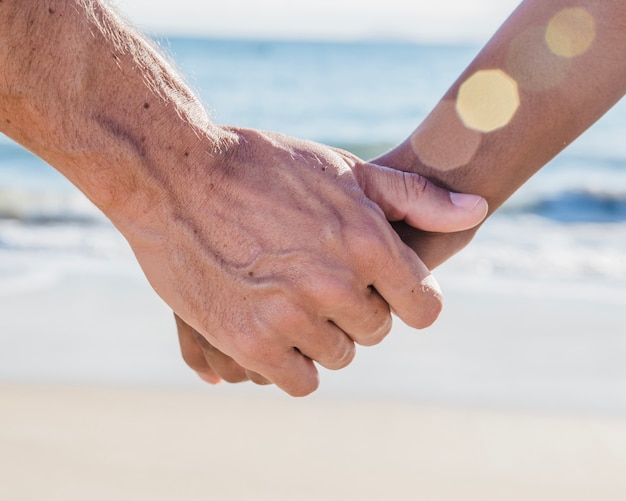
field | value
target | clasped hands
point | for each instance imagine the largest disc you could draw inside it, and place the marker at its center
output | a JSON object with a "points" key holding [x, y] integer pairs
{"points": [[284, 257]]}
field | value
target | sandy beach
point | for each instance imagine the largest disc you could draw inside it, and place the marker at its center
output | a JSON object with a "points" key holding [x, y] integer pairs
{"points": [[96, 443], [505, 398]]}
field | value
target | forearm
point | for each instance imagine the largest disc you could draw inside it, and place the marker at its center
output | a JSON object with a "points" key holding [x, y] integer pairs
{"points": [[529, 106], [96, 101]]}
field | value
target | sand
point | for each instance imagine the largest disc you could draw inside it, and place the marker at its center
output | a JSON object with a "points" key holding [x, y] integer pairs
{"points": [[518, 393], [105, 443]]}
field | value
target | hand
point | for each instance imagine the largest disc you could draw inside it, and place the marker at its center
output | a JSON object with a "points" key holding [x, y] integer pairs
{"points": [[402, 196], [209, 363], [265, 245], [433, 247]]}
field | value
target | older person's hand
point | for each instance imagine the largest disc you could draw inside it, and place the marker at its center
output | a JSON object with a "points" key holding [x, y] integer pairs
{"points": [[323, 271], [266, 246]]}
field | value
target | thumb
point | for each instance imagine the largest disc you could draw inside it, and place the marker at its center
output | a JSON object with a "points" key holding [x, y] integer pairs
{"points": [[409, 197]]}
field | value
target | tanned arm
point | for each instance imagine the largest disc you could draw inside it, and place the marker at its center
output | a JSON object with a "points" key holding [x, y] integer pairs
{"points": [[551, 71]]}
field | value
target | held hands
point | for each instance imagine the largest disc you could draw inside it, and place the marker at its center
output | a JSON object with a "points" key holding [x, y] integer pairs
{"points": [[267, 247], [302, 262]]}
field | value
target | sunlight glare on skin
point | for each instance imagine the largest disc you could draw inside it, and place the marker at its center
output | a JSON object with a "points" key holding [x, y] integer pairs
{"points": [[488, 100], [532, 63], [445, 149], [571, 32]]}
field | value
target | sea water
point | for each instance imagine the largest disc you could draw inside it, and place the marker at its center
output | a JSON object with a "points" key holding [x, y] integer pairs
{"points": [[566, 225], [569, 220]]}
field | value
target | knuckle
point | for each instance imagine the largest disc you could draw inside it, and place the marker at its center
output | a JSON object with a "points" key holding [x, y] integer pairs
{"points": [[419, 183], [257, 378], [342, 356], [229, 370], [380, 328], [232, 373], [414, 184], [430, 315], [372, 245], [330, 292], [430, 306], [201, 341], [193, 361], [301, 379], [192, 355]]}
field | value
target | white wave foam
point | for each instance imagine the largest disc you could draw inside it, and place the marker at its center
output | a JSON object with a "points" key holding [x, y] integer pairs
{"points": [[47, 206], [528, 246]]}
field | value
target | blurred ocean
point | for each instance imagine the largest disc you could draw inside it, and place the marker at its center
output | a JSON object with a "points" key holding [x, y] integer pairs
{"points": [[568, 221], [566, 225]]}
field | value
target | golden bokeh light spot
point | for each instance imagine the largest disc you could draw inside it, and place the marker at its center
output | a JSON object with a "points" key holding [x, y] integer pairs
{"points": [[571, 32], [488, 100], [445, 149], [531, 62]]}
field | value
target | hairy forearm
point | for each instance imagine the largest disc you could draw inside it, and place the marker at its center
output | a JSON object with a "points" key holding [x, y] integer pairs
{"points": [[549, 73], [95, 100]]}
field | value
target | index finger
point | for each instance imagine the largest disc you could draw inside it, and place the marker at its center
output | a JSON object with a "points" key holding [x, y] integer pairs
{"points": [[405, 282]]}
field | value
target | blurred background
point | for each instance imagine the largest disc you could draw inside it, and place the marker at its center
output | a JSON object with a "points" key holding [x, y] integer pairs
{"points": [[536, 305], [350, 76]]}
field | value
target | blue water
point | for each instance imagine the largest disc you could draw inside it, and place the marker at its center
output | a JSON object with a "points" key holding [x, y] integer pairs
{"points": [[365, 97], [351, 93]]}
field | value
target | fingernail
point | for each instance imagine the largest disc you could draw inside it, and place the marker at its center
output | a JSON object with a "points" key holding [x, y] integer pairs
{"points": [[465, 201]]}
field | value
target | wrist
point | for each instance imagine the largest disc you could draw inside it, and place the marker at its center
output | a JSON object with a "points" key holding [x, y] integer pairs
{"points": [[109, 112], [151, 183]]}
